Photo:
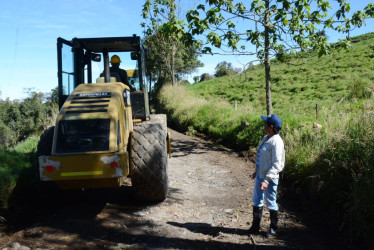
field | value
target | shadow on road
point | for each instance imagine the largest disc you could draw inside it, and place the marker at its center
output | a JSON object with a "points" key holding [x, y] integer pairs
{"points": [[208, 229], [181, 148]]}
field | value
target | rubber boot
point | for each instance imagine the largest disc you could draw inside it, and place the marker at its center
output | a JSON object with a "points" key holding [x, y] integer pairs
{"points": [[273, 224], [257, 215]]}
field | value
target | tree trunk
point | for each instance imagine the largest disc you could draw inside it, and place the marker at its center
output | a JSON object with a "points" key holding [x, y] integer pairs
{"points": [[173, 47], [173, 51], [150, 84], [269, 108]]}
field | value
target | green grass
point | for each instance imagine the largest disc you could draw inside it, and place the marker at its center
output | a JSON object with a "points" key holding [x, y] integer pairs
{"points": [[13, 161], [302, 82], [334, 163]]}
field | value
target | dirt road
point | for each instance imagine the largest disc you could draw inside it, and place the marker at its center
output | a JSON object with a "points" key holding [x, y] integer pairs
{"points": [[209, 207]]}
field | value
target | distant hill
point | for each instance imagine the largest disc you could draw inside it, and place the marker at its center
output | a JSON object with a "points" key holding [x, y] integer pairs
{"points": [[303, 81]]}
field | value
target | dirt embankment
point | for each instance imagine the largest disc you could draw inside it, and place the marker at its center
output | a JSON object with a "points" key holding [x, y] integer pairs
{"points": [[209, 207]]}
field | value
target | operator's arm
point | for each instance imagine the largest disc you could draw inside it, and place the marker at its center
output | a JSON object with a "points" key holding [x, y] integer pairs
{"points": [[123, 76]]}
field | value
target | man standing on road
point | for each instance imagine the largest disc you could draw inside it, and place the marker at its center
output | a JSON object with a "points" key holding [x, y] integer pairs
{"points": [[270, 162]]}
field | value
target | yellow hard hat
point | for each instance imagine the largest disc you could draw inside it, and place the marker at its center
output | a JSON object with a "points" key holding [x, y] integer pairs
{"points": [[115, 59]]}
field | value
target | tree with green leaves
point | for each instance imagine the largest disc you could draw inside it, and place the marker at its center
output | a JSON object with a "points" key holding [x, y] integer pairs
{"points": [[205, 77], [168, 58], [225, 68], [196, 79], [21, 119], [268, 28], [160, 57]]}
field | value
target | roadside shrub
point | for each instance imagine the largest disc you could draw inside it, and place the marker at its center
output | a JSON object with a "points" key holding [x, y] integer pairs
{"points": [[217, 119], [342, 174], [13, 160]]}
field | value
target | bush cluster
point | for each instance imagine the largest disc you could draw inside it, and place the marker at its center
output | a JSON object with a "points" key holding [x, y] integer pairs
{"points": [[14, 161], [224, 69], [21, 119]]}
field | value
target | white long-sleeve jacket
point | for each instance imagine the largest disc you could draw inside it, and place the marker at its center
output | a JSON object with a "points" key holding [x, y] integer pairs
{"points": [[272, 158]]}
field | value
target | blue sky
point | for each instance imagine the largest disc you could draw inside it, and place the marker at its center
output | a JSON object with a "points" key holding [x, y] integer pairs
{"points": [[29, 30]]}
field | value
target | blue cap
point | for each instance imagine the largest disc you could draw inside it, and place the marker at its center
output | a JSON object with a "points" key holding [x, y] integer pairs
{"points": [[273, 120]]}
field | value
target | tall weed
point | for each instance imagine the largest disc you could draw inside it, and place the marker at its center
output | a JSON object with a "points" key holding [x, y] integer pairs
{"points": [[216, 119], [344, 170]]}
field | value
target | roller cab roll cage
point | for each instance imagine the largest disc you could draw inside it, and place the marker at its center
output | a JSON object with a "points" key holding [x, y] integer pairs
{"points": [[74, 59]]}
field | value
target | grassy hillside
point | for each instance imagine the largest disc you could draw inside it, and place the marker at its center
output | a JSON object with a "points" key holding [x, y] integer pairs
{"points": [[331, 162], [305, 80]]}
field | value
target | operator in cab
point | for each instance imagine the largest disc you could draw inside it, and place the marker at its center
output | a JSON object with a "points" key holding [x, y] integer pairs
{"points": [[116, 61]]}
